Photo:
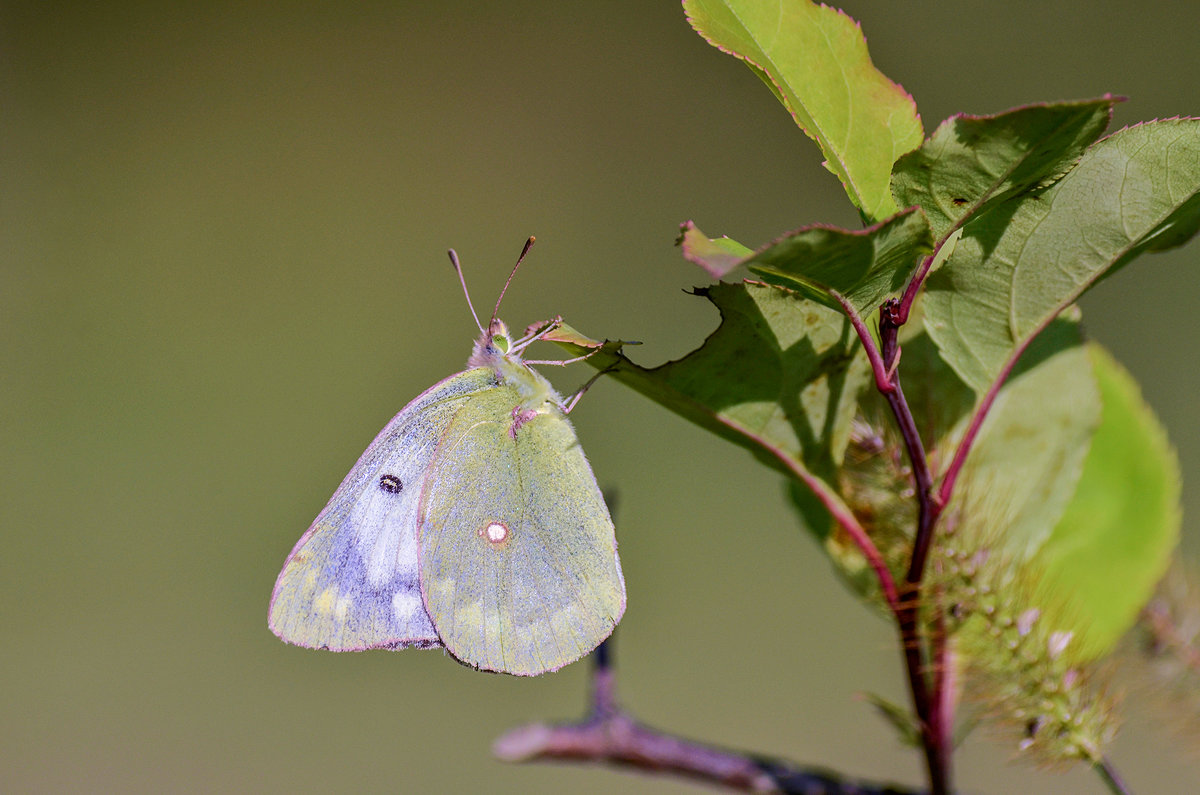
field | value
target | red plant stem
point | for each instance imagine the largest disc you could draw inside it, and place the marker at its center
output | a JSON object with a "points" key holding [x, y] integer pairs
{"points": [[929, 701], [938, 716], [927, 509], [932, 690], [936, 709], [914, 287], [883, 380], [927, 698], [936, 758], [944, 686], [964, 447], [883, 363]]}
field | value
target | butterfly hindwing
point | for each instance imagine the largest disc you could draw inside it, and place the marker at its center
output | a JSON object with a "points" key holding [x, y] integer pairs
{"points": [[352, 581], [518, 554]]}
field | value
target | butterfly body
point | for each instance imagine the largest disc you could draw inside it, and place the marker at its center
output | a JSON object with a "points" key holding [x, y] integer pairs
{"points": [[472, 521]]}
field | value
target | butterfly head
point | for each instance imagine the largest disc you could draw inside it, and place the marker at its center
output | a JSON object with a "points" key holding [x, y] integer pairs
{"points": [[494, 344]]}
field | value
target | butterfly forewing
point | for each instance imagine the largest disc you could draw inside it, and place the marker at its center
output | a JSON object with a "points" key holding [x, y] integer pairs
{"points": [[518, 554], [352, 581]]}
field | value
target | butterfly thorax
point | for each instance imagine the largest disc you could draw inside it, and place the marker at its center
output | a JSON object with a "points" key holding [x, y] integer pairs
{"points": [[494, 350]]}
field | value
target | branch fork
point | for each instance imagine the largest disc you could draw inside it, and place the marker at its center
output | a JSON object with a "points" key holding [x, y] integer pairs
{"points": [[610, 735]]}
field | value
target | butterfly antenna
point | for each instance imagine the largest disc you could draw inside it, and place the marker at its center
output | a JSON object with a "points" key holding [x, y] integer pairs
{"points": [[528, 245], [462, 280]]}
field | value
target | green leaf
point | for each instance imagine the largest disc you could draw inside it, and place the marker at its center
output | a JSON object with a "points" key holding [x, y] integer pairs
{"points": [[1019, 264], [815, 60], [973, 162], [717, 255], [1113, 543], [1026, 462], [863, 267], [780, 376]]}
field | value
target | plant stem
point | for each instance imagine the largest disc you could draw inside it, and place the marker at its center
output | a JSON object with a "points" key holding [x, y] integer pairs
{"points": [[611, 735], [883, 379], [914, 287], [928, 509], [929, 684], [1111, 778], [968, 440], [930, 700], [936, 762]]}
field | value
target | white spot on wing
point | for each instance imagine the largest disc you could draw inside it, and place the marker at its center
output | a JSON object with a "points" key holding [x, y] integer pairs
{"points": [[494, 533], [405, 605]]}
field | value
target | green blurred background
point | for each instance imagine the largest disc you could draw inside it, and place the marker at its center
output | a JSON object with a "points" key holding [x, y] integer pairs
{"points": [[223, 253]]}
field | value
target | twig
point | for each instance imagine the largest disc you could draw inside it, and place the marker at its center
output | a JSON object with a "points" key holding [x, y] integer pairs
{"points": [[612, 736]]}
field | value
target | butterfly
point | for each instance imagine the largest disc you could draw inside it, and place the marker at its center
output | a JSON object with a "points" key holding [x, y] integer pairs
{"points": [[472, 522]]}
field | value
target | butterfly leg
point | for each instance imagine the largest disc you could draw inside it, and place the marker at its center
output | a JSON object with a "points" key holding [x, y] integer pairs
{"points": [[570, 404], [535, 332]]}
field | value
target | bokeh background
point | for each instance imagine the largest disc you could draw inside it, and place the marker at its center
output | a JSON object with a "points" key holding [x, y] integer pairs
{"points": [[222, 269]]}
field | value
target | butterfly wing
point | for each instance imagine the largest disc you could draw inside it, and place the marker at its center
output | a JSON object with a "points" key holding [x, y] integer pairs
{"points": [[352, 581], [519, 564]]}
